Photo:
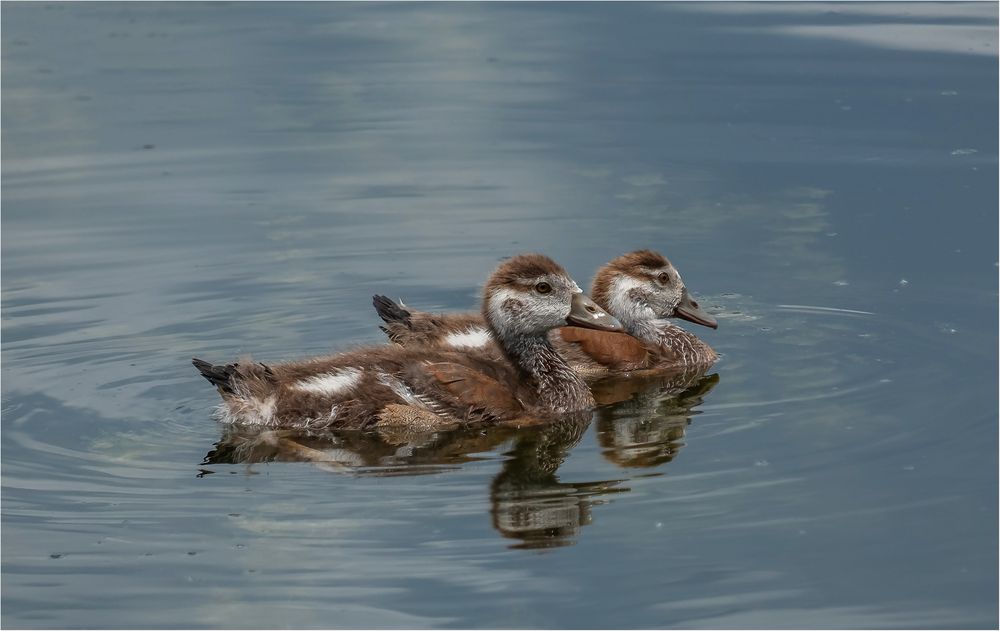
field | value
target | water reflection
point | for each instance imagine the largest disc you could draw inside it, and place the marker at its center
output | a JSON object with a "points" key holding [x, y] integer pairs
{"points": [[648, 429], [641, 423]]}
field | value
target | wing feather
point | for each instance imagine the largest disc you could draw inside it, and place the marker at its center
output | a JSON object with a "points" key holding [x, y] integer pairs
{"points": [[616, 351], [474, 388]]}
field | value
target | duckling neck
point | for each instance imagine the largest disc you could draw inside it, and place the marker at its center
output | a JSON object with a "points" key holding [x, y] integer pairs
{"points": [[649, 331], [558, 386], [666, 335]]}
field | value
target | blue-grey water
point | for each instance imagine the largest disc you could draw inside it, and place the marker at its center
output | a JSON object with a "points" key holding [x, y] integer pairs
{"points": [[222, 179]]}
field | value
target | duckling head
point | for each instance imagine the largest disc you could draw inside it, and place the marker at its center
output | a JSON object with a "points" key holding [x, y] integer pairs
{"points": [[530, 294], [642, 286]]}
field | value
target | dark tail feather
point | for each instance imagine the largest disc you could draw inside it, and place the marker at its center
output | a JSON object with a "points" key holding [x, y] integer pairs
{"points": [[218, 376], [390, 311]]}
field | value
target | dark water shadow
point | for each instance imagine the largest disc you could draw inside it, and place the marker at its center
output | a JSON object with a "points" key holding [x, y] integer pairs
{"points": [[640, 424]]}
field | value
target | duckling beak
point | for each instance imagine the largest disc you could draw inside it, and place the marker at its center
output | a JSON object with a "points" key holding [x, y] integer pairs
{"points": [[689, 310], [585, 313]]}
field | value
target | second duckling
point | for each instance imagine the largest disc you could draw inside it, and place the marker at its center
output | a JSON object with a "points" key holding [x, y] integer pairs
{"points": [[642, 289]]}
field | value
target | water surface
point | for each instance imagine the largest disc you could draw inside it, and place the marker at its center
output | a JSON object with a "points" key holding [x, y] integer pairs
{"points": [[222, 179]]}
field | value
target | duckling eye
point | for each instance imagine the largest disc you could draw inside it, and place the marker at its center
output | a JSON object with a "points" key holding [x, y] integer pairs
{"points": [[663, 278], [543, 287]]}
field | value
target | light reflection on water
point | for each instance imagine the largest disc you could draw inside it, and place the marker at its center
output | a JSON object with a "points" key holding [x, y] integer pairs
{"points": [[225, 179]]}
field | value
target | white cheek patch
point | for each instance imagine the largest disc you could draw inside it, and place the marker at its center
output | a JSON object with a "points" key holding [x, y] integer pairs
{"points": [[517, 312], [336, 382], [622, 303], [498, 315], [476, 337]]}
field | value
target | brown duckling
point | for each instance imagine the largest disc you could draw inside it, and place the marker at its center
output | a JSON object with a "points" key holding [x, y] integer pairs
{"points": [[642, 289], [525, 298]]}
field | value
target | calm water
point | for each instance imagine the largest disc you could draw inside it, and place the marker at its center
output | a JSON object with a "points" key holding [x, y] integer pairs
{"points": [[224, 179]]}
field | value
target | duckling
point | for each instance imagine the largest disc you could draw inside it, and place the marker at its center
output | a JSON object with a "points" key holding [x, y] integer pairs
{"points": [[642, 289], [525, 297]]}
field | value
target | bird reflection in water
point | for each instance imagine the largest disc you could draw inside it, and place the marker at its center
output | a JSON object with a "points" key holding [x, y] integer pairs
{"points": [[641, 422]]}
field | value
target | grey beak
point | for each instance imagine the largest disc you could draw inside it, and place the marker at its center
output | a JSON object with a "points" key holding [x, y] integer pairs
{"points": [[585, 313], [690, 311]]}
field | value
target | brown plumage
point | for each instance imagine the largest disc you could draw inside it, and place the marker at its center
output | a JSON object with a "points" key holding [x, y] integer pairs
{"points": [[525, 297], [619, 352], [642, 289]]}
